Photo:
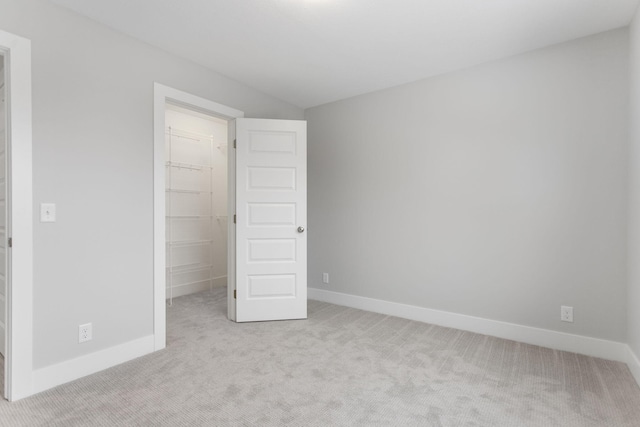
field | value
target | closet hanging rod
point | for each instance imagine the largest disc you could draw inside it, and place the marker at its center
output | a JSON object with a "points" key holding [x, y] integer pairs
{"points": [[171, 129], [182, 136]]}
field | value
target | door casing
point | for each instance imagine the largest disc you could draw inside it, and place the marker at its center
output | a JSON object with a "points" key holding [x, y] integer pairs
{"points": [[19, 349], [162, 95]]}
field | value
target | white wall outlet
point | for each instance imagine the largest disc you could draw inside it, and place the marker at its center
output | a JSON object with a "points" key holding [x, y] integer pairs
{"points": [[85, 333], [566, 313], [47, 212], [325, 277]]}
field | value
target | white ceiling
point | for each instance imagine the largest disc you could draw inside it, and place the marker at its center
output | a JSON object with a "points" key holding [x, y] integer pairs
{"points": [[310, 52]]}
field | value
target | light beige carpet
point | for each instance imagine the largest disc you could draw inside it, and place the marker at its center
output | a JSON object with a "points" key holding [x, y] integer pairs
{"points": [[340, 367]]}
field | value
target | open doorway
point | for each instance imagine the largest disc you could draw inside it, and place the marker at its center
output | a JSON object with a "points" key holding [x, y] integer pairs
{"points": [[265, 192], [196, 201], [170, 104], [17, 236], [3, 225]]}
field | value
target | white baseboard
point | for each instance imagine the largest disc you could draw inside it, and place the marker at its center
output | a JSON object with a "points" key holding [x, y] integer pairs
{"points": [[596, 347], [69, 370], [192, 288], [634, 364], [220, 282]]}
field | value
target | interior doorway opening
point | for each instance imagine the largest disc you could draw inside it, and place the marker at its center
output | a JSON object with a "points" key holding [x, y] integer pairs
{"points": [[18, 217], [195, 106], [4, 301], [196, 151]]}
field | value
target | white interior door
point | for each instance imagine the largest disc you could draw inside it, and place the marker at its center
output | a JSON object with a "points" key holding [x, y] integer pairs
{"points": [[271, 214]]}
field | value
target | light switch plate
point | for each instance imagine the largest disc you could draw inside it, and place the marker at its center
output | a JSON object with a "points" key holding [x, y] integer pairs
{"points": [[47, 212]]}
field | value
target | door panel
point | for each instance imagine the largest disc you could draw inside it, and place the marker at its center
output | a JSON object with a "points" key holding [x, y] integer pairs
{"points": [[271, 203], [271, 214], [271, 179]]}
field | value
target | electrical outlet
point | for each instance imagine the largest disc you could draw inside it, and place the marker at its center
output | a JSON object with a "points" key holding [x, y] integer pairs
{"points": [[566, 313], [85, 333], [325, 277]]}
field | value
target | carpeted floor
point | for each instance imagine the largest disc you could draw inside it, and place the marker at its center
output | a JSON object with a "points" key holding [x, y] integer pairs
{"points": [[340, 367]]}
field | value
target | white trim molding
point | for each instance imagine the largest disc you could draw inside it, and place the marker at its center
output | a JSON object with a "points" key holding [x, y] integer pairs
{"points": [[162, 96], [69, 370], [596, 347], [633, 362], [19, 349], [203, 285]]}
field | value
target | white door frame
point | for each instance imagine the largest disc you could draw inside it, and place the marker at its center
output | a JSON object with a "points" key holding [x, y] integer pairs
{"points": [[162, 95], [19, 350]]}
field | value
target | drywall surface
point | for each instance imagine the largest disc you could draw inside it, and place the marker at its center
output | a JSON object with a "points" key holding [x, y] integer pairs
{"points": [[498, 191], [634, 188], [92, 156]]}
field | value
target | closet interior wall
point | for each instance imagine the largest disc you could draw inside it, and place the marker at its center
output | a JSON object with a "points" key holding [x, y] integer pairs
{"points": [[196, 201]]}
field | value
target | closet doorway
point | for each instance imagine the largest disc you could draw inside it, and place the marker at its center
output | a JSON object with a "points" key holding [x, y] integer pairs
{"points": [[265, 191], [190, 226], [3, 226], [16, 218], [196, 201]]}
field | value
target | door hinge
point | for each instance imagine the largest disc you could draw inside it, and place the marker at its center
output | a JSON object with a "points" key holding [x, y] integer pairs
{"points": [[10, 242], [234, 218], [234, 143], [234, 294]]}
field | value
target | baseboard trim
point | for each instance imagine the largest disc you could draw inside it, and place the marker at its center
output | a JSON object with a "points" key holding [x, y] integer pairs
{"points": [[192, 288], [595, 347], [634, 364], [69, 370], [220, 282]]}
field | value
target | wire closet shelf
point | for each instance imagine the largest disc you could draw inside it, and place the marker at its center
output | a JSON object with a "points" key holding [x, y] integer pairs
{"points": [[173, 166]]}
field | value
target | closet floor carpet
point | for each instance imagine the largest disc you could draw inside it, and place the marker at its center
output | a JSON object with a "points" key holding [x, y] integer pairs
{"points": [[341, 367]]}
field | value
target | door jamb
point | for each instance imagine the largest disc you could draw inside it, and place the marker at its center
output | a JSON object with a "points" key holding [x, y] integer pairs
{"points": [[162, 94], [19, 328]]}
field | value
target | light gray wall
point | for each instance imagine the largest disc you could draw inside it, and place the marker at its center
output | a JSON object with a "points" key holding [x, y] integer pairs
{"points": [[498, 191], [93, 147], [634, 189]]}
